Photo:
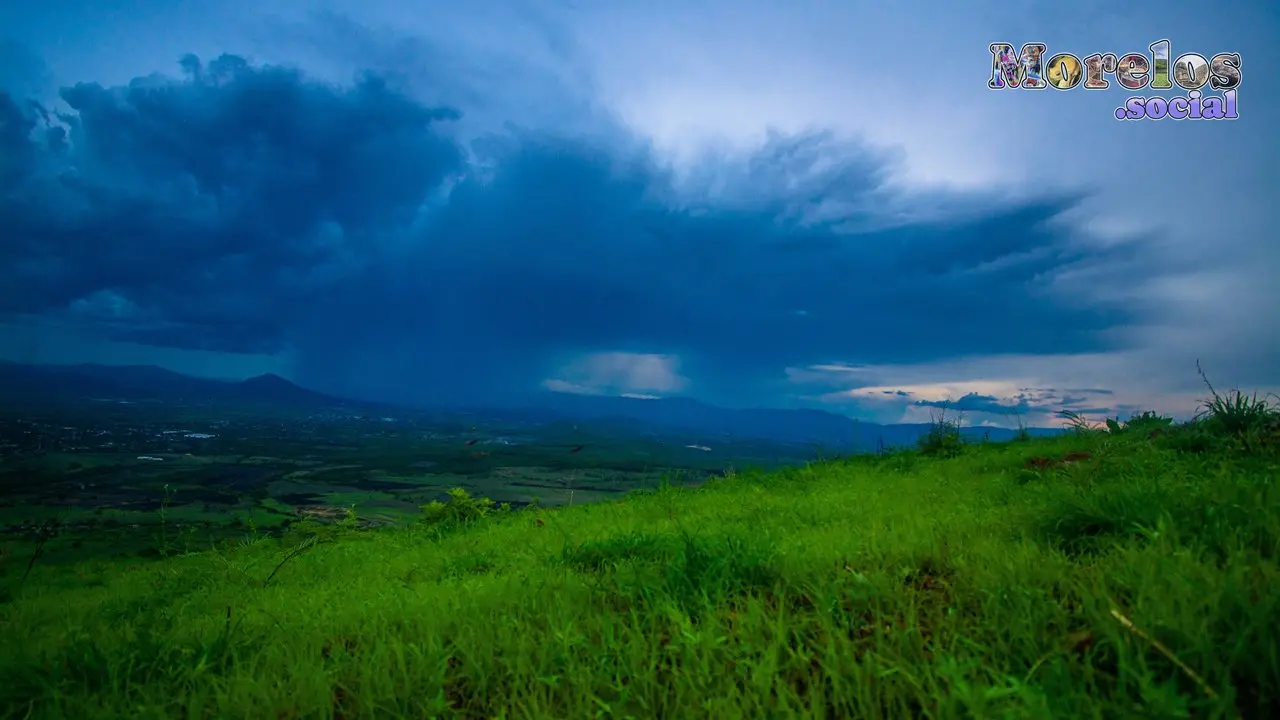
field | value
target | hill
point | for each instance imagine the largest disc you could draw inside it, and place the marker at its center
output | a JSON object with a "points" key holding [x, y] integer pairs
{"points": [[1127, 573], [271, 388], [147, 383]]}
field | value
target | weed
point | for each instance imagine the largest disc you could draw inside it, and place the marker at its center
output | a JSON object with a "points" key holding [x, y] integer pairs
{"points": [[42, 533], [1023, 435], [1077, 423], [302, 547], [1249, 420], [943, 438], [460, 511], [1148, 422]]}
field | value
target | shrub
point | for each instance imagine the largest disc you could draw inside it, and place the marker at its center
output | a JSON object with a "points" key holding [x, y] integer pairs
{"points": [[1077, 423], [461, 509], [1023, 434], [1148, 421], [1249, 420], [943, 438]]}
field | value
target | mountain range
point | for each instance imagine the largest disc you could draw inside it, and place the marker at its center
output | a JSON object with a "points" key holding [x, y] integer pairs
{"points": [[697, 421], [21, 384]]}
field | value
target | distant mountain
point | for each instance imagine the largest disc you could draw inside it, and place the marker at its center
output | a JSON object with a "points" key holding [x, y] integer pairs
{"points": [[145, 383], [684, 418], [273, 388], [700, 421]]}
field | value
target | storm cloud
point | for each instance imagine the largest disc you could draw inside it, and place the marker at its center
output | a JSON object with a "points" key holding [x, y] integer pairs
{"points": [[252, 209]]}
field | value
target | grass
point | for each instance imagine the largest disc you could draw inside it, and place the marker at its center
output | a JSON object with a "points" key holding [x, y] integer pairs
{"points": [[1131, 569]]}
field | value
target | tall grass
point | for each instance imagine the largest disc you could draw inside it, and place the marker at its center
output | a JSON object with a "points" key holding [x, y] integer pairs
{"points": [[1131, 571]]}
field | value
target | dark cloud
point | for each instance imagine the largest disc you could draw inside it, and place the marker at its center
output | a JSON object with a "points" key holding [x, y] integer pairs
{"points": [[1053, 400], [218, 204], [974, 402], [1029, 401], [1093, 411], [249, 208], [22, 70]]}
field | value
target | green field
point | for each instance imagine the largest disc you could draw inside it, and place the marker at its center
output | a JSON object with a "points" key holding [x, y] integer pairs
{"points": [[108, 477], [1129, 571]]}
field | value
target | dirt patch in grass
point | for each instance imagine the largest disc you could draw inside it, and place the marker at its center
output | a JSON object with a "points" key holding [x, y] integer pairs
{"points": [[1044, 463]]}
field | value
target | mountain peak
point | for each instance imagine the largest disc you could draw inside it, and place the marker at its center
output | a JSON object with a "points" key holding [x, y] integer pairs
{"points": [[272, 387], [268, 380]]}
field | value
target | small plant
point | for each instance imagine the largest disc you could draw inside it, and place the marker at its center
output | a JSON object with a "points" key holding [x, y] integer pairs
{"points": [[42, 533], [1023, 434], [302, 547], [1248, 419], [943, 438], [569, 485], [1077, 423], [461, 509], [163, 541], [349, 520], [1148, 421]]}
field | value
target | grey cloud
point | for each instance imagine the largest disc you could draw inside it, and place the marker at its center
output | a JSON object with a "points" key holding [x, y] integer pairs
{"points": [[251, 208]]}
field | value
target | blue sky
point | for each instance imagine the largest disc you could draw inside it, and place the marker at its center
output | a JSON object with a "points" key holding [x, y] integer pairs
{"points": [[753, 203]]}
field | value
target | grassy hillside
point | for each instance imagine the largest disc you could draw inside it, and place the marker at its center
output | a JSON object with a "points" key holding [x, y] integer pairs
{"points": [[1123, 572]]}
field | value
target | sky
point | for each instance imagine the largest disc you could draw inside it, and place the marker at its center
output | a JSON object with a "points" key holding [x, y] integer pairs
{"points": [[753, 203]]}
